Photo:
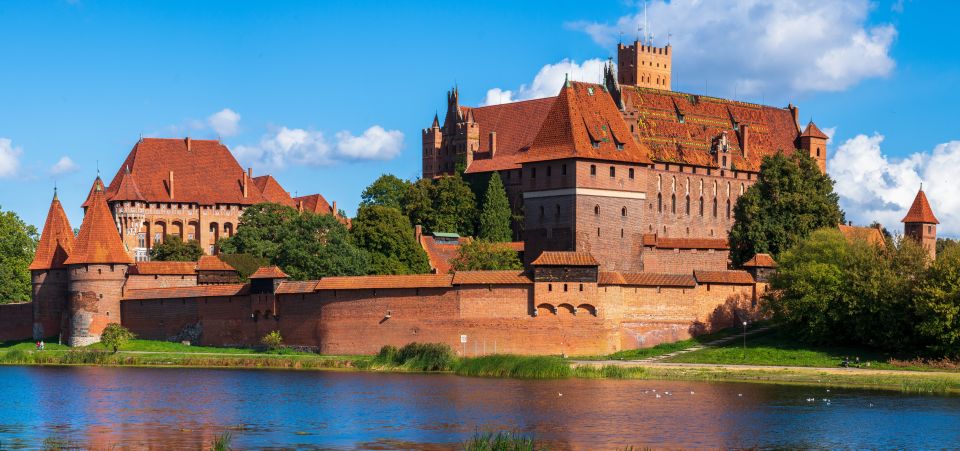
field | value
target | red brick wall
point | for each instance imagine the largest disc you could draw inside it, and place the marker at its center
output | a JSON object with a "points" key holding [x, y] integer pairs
{"points": [[682, 261], [665, 222], [16, 321], [138, 282], [49, 302], [94, 300]]}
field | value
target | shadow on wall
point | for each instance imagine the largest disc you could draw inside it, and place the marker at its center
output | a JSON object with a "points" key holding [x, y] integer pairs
{"points": [[736, 309]]}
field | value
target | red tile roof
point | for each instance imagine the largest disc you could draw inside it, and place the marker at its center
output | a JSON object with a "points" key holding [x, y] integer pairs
{"points": [[56, 240], [296, 287], [440, 254], [97, 182], [653, 240], [584, 122], [491, 278], [813, 132], [205, 174], [647, 279], [724, 277], [269, 272], [163, 268], [99, 239], [920, 211], [385, 282], [551, 258], [760, 261], [213, 263], [872, 235], [610, 278], [516, 125], [516, 246], [198, 291], [272, 191], [127, 188], [315, 203]]}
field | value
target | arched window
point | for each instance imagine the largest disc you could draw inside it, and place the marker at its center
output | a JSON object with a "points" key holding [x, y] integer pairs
{"points": [[728, 208], [688, 205], [623, 211], [701, 206], [673, 185], [741, 189], [673, 203], [715, 188], [686, 187], [701, 187], [659, 203], [728, 190], [714, 207], [596, 209]]}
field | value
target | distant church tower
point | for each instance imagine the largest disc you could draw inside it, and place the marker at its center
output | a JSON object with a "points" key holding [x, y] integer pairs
{"points": [[644, 65], [921, 225]]}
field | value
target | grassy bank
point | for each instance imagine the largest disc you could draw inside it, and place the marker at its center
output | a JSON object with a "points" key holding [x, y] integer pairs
{"points": [[667, 348]]}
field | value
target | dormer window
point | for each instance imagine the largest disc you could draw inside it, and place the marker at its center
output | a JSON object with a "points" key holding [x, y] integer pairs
{"points": [[595, 144], [681, 118], [736, 125], [620, 147]]}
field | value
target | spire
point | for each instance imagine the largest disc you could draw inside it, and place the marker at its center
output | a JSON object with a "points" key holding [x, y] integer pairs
{"points": [[56, 241], [96, 183], [813, 132], [436, 121], [98, 241], [920, 212]]}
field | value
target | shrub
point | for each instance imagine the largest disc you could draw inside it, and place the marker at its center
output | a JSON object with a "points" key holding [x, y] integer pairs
{"points": [[386, 356], [272, 341], [115, 337], [418, 357]]}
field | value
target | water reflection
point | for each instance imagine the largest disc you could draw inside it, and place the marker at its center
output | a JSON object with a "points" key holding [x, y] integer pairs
{"points": [[186, 409]]}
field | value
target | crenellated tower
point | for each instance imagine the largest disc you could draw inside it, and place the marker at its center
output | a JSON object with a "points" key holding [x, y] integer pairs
{"points": [[49, 275], [447, 148], [97, 267], [645, 65], [921, 225]]}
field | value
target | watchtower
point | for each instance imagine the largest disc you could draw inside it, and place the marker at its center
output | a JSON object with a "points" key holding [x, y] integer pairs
{"points": [[921, 225], [648, 66]]}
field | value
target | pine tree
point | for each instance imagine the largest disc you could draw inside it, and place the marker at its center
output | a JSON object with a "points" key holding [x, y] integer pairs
{"points": [[495, 215]]}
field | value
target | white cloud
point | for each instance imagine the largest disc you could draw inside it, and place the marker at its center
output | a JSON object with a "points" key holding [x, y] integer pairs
{"points": [[762, 47], [873, 186], [9, 158], [225, 122], [286, 146], [548, 81], [64, 165]]}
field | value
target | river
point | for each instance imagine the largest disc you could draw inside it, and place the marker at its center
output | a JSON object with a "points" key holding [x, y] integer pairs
{"points": [[140, 408]]}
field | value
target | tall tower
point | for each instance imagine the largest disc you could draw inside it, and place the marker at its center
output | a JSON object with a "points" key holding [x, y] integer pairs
{"points": [[814, 143], [48, 273], [432, 139], [921, 225], [648, 66], [97, 268]]}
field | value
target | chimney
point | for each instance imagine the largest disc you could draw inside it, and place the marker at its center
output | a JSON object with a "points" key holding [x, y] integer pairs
{"points": [[187, 140], [170, 180], [246, 181], [300, 206], [796, 115], [333, 208], [417, 232], [493, 144], [249, 172], [745, 139]]}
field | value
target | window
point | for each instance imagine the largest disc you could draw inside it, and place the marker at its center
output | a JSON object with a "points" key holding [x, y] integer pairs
{"points": [[549, 287], [533, 173], [659, 203], [549, 171], [620, 147], [613, 171], [598, 231], [714, 207], [596, 209], [687, 210], [621, 233], [581, 287], [681, 119], [701, 206], [728, 208], [563, 169], [564, 287], [541, 211], [593, 169], [818, 152], [630, 173], [673, 203], [596, 144], [623, 211], [558, 210]]}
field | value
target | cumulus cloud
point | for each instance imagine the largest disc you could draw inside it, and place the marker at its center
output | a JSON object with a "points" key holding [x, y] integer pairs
{"points": [[225, 122], [286, 146], [548, 81], [757, 47], [9, 158], [873, 186], [64, 165]]}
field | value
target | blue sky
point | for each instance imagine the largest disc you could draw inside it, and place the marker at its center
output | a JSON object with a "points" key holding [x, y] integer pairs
{"points": [[327, 96]]}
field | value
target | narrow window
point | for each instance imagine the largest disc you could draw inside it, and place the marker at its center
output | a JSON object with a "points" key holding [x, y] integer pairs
{"points": [[688, 205], [581, 287], [549, 171], [598, 231], [714, 207], [613, 171], [541, 211], [630, 172], [728, 208], [701, 206], [564, 287], [673, 203], [593, 169], [623, 211], [621, 233], [596, 209], [558, 210], [549, 287], [563, 169], [659, 203], [533, 173]]}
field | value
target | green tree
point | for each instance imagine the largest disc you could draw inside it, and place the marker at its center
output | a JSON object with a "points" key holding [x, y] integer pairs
{"points": [[495, 215], [272, 340], [418, 203], [115, 336], [386, 232], [387, 191], [306, 246], [790, 200], [454, 206], [18, 243], [478, 255], [938, 304], [174, 249]]}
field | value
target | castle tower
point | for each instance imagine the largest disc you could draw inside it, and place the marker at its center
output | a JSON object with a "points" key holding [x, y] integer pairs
{"points": [[921, 225], [814, 143], [48, 273], [97, 267], [432, 139], [644, 65]]}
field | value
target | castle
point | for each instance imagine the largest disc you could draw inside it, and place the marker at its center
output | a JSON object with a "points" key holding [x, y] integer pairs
{"points": [[626, 190]]}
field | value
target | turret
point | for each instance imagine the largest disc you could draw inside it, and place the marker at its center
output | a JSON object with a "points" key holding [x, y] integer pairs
{"points": [[48, 273], [432, 139], [814, 143], [921, 225], [645, 65], [97, 267]]}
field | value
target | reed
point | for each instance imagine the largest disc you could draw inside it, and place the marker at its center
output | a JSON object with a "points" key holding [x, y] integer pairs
{"points": [[501, 441], [506, 365]]}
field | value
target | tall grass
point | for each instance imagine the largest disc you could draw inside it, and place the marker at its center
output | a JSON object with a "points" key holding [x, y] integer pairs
{"points": [[418, 357], [222, 442], [533, 367], [501, 441]]}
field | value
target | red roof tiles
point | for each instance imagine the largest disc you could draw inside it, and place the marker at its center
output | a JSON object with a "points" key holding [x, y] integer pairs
{"points": [[610, 278], [98, 240], [724, 277], [269, 272], [164, 268], [516, 125], [56, 240], [199, 291], [440, 254], [872, 235], [315, 203], [385, 282], [653, 240], [647, 279], [760, 261], [920, 211], [491, 278], [552, 258], [813, 132], [213, 263], [296, 287], [272, 191]]}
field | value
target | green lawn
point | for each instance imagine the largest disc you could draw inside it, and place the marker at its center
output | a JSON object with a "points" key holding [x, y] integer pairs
{"points": [[776, 348], [667, 348]]}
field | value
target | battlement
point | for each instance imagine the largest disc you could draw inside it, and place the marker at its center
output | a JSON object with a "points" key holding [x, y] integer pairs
{"points": [[644, 65]]}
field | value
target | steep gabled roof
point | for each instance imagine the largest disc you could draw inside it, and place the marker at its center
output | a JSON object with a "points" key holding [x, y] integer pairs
{"points": [[813, 132], [213, 263], [760, 261], [56, 240], [872, 235], [516, 125], [920, 211], [272, 191], [584, 122], [315, 203], [269, 272], [99, 240], [204, 172], [127, 188]]}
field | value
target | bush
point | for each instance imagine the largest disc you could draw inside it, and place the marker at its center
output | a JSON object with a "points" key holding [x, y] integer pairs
{"points": [[115, 337], [418, 357], [272, 341]]}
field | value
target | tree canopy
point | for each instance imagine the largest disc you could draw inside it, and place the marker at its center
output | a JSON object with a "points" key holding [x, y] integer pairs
{"points": [[174, 249], [485, 255], [387, 232], [790, 200], [454, 206], [495, 215], [18, 243], [387, 191]]}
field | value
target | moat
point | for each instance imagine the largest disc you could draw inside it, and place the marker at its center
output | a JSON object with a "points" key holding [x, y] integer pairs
{"points": [[94, 407]]}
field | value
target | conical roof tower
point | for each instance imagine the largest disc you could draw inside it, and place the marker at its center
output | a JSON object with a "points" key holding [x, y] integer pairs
{"points": [[56, 240], [99, 240]]}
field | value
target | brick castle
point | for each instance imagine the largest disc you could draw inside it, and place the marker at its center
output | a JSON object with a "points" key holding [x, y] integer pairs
{"points": [[626, 190]]}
